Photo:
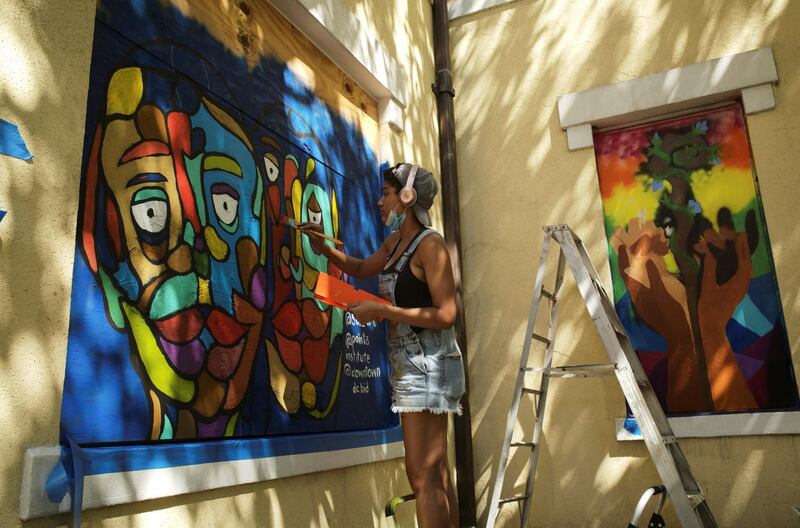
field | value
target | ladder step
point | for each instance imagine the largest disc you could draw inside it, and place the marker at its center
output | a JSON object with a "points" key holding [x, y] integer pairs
{"points": [[512, 499], [577, 371], [522, 444], [547, 295], [532, 391], [695, 499], [541, 338]]}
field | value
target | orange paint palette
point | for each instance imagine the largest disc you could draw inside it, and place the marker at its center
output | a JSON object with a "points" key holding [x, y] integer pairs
{"points": [[338, 293]]}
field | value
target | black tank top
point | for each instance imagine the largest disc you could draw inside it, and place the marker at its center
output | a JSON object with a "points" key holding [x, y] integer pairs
{"points": [[409, 291]]}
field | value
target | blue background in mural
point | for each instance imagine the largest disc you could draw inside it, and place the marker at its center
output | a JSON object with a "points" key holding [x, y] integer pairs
{"points": [[104, 400]]}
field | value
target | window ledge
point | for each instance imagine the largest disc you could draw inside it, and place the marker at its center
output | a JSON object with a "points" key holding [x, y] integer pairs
{"points": [[125, 474], [717, 425], [461, 8]]}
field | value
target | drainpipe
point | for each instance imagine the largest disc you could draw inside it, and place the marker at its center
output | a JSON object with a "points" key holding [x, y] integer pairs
{"points": [[452, 233]]}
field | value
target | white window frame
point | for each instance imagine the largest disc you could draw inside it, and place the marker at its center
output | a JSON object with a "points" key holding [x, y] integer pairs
{"points": [[749, 75]]}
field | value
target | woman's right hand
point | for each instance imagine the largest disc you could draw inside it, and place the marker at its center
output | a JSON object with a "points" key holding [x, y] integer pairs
{"points": [[318, 243]]}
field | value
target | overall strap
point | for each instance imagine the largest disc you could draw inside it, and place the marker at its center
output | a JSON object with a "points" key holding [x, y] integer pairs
{"points": [[399, 239], [401, 262]]}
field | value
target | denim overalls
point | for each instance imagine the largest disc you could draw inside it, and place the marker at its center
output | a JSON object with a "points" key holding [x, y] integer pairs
{"points": [[427, 368]]}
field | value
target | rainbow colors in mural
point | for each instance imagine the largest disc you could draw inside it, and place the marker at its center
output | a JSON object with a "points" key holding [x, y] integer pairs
{"points": [[692, 269]]}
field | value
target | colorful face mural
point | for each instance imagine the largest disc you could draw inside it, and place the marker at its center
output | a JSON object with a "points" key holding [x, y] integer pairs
{"points": [[178, 252], [694, 281], [193, 313], [304, 328]]}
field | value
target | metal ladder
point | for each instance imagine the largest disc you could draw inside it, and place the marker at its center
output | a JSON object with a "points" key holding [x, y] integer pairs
{"points": [[684, 493]]}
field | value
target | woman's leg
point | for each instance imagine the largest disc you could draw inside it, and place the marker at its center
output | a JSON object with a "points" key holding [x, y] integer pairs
{"points": [[425, 442], [452, 500]]}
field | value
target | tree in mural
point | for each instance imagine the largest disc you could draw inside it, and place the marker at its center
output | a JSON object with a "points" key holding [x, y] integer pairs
{"points": [[690, 308]]}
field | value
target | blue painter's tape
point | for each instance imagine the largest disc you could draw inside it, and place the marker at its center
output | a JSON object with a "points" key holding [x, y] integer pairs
{"points": [[57, 484], [631, 426], [68, 475], [11, 142], [80, 463], [2, 215]]}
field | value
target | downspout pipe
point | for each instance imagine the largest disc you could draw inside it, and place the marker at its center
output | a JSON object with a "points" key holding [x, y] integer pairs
{"points": [[452, 234]]}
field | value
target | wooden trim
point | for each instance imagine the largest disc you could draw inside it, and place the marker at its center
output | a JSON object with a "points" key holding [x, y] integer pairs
{"points": [[336, 31]]}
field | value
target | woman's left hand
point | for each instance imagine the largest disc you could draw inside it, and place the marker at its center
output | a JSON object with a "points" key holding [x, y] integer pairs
{"points": [[367, 311]]}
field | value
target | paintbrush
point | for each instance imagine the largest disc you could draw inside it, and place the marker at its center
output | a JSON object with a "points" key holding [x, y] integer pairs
{"points": [[293, 224]]}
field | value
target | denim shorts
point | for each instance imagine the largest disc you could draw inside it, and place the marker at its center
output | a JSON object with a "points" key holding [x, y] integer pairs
{"points": [[427, 371]]}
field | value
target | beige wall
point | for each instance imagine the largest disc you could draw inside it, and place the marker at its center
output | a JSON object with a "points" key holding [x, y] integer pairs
{"points": [[43, 83], [516, 174], [45, 53]]}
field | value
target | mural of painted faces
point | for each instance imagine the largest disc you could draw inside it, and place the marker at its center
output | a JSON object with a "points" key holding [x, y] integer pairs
{"points": [[178, 229], [305, 331], [173, 238]]}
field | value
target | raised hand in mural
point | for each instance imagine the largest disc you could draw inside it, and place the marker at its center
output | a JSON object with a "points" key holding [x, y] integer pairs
{"points": [[725, 277], [659, 297], [660, 300]]}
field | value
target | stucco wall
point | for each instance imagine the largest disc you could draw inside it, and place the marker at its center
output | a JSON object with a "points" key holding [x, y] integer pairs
{"points": [[44, 69], [516, 174], [44, 78]]}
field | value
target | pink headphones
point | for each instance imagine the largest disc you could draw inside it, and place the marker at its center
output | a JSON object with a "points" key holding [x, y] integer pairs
{"points": [[408, 196]]}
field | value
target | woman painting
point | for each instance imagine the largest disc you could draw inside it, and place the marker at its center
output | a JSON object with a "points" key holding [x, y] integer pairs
{"points": [[414, 273]]}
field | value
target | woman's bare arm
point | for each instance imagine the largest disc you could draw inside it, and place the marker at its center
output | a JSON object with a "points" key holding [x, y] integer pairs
{"points": [[356, 267], [435, 261]]}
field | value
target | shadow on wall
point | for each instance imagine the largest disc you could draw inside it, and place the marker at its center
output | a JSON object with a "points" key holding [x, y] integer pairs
{"points": [[407, 35], [44, 59], [510, 65]]}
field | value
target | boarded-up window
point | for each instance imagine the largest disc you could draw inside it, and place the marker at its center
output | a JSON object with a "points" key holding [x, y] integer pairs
{"points": [[693, 274], [211, 127]]}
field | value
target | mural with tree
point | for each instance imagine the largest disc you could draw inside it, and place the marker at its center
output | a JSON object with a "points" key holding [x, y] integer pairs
{"points": [[694, 280]]}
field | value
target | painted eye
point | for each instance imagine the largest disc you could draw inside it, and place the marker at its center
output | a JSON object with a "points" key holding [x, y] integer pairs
{"points": [[271, 166], [150, 215], [226, 207], [315, 217]]}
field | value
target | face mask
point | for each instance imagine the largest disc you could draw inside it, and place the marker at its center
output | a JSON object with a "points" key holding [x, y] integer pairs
{"points": [[394, 221]]}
